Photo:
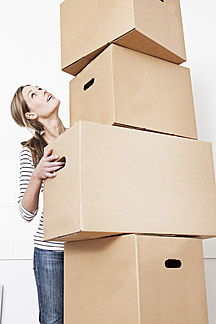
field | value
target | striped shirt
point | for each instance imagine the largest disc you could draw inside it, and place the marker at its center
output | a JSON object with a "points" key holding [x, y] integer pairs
{"points": [[26, 169]]}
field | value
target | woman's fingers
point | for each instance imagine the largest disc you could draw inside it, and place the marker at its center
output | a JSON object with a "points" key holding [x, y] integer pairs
{"points": [[48, 157], [51, 175], [51, 171], [54, 168], [48, 152], [52, 158], [54, 164], [48, 165]]}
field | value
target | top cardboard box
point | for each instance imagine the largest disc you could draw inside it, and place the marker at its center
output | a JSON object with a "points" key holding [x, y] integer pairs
{"points": [[152, 27]]}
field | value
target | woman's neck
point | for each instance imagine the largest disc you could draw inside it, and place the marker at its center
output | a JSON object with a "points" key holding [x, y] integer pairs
{"points": [[53, 129]]}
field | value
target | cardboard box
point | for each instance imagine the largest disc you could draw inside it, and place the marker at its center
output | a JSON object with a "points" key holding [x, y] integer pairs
{"points": [[135, 279], [151, 27], [125, 87], [119, 180]]}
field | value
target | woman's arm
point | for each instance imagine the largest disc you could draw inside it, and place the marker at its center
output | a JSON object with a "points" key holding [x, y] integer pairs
{"points": [[31, 180]]}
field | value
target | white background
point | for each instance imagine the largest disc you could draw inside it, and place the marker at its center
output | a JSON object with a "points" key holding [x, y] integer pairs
{"points": [[30, 54]]}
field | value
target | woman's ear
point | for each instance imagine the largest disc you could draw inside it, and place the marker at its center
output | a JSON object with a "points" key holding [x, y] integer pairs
{"points": [[30, 115]]}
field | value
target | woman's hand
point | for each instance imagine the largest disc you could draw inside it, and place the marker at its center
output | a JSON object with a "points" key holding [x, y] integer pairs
{"points": [[45, 169], [47, 166]]}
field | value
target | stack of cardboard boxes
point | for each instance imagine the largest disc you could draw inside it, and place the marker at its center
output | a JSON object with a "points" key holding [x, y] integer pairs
{"points": [[137, 193]]}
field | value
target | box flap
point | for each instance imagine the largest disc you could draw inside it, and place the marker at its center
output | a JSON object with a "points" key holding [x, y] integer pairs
{"points": [[65, 187], [171, 270]]}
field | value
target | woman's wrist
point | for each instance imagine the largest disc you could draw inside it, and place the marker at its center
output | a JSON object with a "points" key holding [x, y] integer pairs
{"points": [[36, 177]]}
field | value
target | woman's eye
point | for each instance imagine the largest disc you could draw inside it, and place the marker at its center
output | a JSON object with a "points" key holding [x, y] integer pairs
{"points": [[33, 94]]}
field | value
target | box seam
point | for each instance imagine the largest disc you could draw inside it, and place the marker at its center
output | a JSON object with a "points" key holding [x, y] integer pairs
{"points": [[137, 276], [133, 11], [80, 175], [113, 91]]}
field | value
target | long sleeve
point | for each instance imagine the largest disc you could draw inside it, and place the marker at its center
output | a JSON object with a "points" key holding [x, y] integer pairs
{"points": [[26, 169]]}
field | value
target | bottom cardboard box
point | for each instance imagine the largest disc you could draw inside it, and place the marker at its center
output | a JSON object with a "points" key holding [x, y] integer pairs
{"points": [[135, 279]]}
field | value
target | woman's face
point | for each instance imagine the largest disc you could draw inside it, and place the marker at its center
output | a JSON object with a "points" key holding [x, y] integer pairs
{"points": [[42, 104]]}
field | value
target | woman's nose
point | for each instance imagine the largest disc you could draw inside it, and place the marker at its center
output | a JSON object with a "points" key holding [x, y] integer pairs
{"points": [[44, 91]]}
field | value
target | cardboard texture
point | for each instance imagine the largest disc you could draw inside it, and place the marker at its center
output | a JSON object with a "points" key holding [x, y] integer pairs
{"points": [[120, 180], [135, 279], [126, 87], [152, 27]]}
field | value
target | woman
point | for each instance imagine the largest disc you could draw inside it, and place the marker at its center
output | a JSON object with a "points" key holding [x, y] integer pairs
{"points": [[37, 109]]}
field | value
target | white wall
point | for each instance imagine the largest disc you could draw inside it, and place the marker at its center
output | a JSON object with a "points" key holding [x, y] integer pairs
{"points": [[30, 53], [199, 28]]}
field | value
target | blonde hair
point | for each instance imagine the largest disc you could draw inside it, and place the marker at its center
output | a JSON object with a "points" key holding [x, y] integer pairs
{"points": [[36, 143]]}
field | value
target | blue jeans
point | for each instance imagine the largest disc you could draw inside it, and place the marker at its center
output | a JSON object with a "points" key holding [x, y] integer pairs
{"points": [[49, 276]]}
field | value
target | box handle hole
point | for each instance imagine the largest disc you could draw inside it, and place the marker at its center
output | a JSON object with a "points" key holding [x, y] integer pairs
{"points": [[173, 263], [162, 0], [61, 159], [89, 84]]}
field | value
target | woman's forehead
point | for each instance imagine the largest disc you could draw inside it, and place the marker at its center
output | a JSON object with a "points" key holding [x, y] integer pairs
{"points": [[28, 88]]}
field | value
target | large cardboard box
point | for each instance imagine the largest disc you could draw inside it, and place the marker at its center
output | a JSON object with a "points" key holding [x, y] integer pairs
{"points": [[125, 87], [120, 180], [153, 27], [135, 279]]}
